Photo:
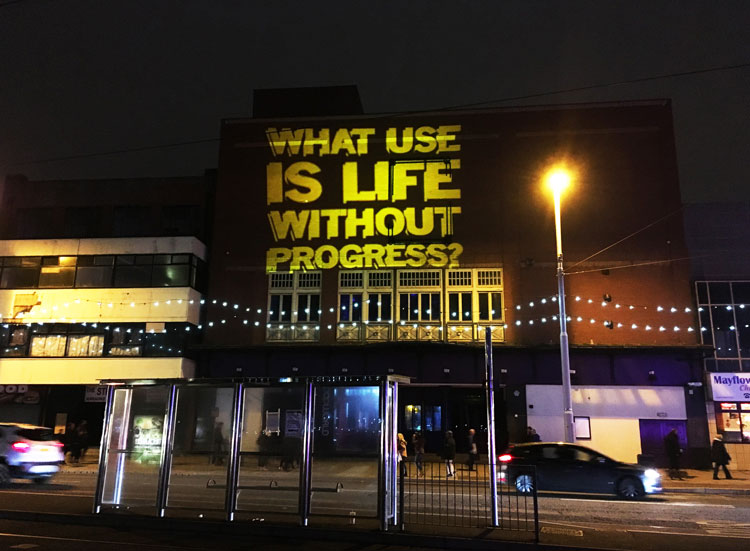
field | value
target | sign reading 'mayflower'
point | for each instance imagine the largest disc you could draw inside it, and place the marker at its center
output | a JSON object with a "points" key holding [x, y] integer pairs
{"points": [[730, 386], [362, 213]]}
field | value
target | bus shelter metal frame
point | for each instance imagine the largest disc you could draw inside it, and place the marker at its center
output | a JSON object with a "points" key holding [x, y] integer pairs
{"points": [[387, 509]]}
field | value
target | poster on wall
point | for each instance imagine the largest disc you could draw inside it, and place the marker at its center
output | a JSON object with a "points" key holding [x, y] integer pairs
{"points": [[19, 394]]}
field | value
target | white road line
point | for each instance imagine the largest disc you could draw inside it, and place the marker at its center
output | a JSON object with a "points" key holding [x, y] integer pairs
{"points": [[660, 503], [635, 531]]}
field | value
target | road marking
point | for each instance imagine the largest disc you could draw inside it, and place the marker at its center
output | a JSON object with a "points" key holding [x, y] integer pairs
{"points": [[139, 544], [562, 531], [660, 532], [726, 528], [660, 503]]}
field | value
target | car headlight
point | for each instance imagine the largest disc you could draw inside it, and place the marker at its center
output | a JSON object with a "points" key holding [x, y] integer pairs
{"points": [[651, 474]]}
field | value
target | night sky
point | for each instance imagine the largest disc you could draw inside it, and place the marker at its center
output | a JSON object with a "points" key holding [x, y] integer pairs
{"points": [[84, 77]]}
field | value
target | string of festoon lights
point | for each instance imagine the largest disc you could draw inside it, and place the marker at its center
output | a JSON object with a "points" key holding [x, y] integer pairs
{"points": [[255, 317], [605, 303]]}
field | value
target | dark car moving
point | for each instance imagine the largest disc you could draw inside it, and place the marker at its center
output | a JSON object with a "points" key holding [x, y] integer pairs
{"points": [[563, 467]]}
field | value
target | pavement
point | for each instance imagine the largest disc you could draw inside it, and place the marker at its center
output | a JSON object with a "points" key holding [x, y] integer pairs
{"points": [[694, 481]]}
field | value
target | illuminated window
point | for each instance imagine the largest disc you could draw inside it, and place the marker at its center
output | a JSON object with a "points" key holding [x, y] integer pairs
{"points": [[368, 303], [733, 421], [413, 418], [48, 345]]}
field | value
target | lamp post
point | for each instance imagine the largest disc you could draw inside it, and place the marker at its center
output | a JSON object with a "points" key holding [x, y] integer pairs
{"points": [[558, 180]]}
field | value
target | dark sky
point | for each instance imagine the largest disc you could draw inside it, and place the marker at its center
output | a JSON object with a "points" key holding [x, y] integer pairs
{"points": [[79, 77]]}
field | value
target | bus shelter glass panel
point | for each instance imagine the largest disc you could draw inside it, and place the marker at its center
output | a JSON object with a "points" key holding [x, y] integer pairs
{"points": [[346, 452], [270, 450], [200, 449], [134, 447]]}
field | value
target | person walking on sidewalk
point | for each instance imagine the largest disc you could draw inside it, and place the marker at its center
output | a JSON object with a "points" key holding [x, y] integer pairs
{"points": [[473, 451], [720, 457], [672, 447], [449, 454], [417, 441], [401, 449]]}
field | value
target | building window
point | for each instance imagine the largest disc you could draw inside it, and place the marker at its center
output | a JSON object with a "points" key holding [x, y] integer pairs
{"points": [[459, 306], [308, 307], [733, 421], [85, 345], [413, 418], [419, 278], [280, 308], [361, 297], [57, 271], [13, 340], [48, 345], [490, 306], [724, 316], [379, 279], [350, 307], [419, 306], [433, 418], [379, 307], [489, 278], [459, 278], [349, 280], [294, 297]]}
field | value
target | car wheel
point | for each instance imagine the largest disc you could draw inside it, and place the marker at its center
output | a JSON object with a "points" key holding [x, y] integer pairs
{"points": [[42, 480], [4, 475], [524, 484], [630, 488]]}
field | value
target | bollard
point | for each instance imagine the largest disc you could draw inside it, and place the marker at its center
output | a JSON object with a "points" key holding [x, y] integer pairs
{"points": [[352, 517]]}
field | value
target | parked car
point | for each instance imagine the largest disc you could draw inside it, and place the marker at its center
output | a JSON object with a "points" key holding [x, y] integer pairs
{"points": [[563, 467], [28, 451]]}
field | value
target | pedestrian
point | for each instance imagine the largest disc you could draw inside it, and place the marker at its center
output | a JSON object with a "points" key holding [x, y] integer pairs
{"points": [[262, 442], [449, 454], [66, 439], [82, 434], [720, 457], [473, 451], [217, 458], [401, 450], [532, 436], [672, 447], [418, 442]]}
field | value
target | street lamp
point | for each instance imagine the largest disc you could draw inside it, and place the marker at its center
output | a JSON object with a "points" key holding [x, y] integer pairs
{"points": [[558, 180]]}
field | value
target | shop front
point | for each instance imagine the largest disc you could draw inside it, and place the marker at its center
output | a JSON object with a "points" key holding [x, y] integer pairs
{"points": [[729, 413]]}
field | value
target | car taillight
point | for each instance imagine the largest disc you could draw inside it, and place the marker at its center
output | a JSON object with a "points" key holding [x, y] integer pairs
{"points": [[21, 446], [505, 458], [57, 444]]}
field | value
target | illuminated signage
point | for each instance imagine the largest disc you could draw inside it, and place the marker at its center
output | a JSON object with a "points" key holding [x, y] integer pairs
{"points": [[730, 386], [397, 187]]}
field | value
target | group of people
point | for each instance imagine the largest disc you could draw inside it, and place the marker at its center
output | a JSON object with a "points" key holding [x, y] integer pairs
{"points": [[448, 453], [719, 455], [75, 441]]}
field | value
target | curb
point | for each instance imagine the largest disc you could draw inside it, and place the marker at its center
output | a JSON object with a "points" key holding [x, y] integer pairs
{"points": [[237, 529]]}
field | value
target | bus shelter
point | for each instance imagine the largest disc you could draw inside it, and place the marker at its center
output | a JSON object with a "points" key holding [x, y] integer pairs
{"points": [[285, 450]]}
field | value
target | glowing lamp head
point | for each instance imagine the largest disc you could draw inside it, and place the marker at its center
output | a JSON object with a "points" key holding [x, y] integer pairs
{"points": [[557, 180]]}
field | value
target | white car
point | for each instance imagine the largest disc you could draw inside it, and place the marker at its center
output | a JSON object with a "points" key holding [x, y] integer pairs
{"points": [[28, 451]]}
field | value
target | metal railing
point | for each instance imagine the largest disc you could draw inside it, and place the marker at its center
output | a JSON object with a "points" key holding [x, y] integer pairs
{"points": [[430, 497]]}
